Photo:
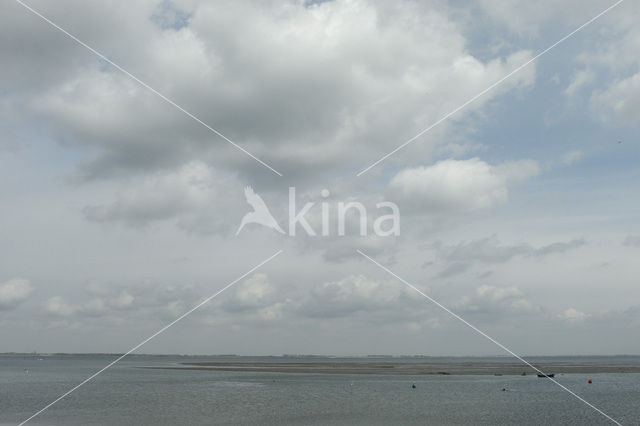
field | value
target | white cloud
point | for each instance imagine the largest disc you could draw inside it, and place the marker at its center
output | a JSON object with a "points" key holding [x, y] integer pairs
{"points": [[252, 293], [498, 294], [13, 292], [572, 157], [59, 307], [573, 315], [124, 300], [459, 185], [620, 101], [579, 80], [351, 295], [492, 300]]}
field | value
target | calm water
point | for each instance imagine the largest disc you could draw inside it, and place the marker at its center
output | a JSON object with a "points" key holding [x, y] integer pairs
{"points": [[127, 395]]}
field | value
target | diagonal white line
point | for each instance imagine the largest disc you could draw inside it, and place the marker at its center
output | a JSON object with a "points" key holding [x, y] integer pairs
{"points": [[494, 85], [152, 336], [104, 58], [482, 333]]}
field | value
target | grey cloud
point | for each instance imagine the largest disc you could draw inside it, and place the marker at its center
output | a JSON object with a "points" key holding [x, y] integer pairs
{"points": [[559, 247], [454, 268], [459, 258], [489, 250], [344, 249], [195, 196], [632, 241]]}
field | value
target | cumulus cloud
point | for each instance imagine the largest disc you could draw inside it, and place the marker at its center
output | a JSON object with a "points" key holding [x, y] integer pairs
{"points": [[319, 73], [572, 157], [620, 101], [57, 306], [102, 303], [579, 80], [573, 315], [14, 292], [369, 300], [193, 196], [458, 186], [317, 89], [348, 296], [254, 293], [161, 196], [490, 300], [611, 72]]}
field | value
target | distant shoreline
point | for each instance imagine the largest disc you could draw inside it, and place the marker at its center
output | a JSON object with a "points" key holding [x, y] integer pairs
{"points": [[407, 368]]}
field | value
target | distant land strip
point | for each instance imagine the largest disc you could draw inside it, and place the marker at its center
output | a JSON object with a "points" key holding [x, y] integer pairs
{"points": [[402, 368]]}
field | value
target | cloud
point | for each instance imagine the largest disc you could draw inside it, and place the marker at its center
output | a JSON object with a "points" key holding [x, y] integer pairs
{"points": [[529, 20], [254, 293], [159, 197], [458, 186], [379, 301], [57, 306], [489, 250], [559, 247], [573, 315], [611, 72], [632, 241], [343, 249], [491, 300], [14, 292], [169, 16], [459, 258], [580, 79], [572, 157], [103, 303], [317, 73], [454, 268], [620, 101], [192, 196]]}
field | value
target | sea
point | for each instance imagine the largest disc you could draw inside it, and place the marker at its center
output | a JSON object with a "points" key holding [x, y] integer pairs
{"points": [[127, 394]]}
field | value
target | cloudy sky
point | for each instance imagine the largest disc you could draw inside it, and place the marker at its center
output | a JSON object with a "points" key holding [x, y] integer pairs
{"points": [[519, 212]]}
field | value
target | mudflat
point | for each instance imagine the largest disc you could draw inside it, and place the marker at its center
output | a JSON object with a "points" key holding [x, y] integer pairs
{"points": [[414, 368]]}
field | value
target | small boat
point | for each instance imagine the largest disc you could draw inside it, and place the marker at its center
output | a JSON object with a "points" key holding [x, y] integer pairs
{"points": [[552, 375]]}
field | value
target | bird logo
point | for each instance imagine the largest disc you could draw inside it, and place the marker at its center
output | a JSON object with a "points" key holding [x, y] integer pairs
{"points": [[260, 213]]}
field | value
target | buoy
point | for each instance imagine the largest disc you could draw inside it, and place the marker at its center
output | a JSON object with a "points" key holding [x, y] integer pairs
{"points": [[413, 386], [590, 381], [504, 390]]}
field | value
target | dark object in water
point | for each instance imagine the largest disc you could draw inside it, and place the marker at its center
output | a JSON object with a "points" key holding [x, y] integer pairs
{"points": [[504, 390], [552, 375], [524, 373], [413, 386]]}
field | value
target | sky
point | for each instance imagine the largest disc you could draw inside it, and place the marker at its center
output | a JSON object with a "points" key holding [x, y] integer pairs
{"points": [[519, 212]]}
